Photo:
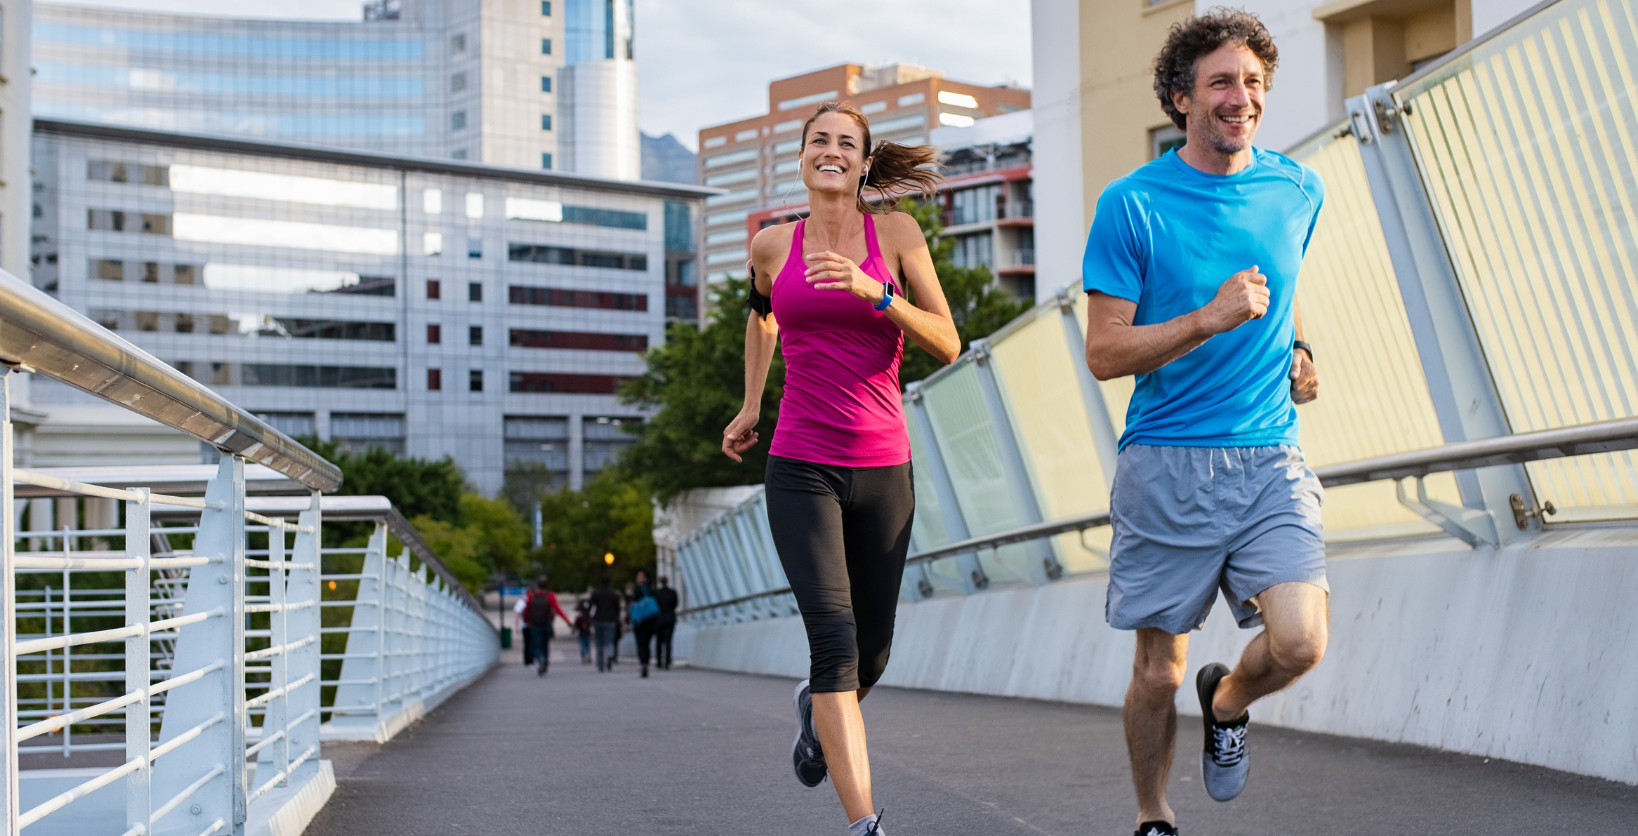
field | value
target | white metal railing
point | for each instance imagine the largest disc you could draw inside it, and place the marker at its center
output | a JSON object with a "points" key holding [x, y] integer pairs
{"points": [[186, 608]]}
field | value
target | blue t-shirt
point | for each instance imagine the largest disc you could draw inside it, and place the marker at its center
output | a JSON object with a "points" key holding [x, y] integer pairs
{"points": [[1167, 236]]}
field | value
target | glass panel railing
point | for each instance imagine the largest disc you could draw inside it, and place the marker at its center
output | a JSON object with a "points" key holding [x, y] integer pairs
{"points": [[966, 437], [1374, 398], [1117, 393], [928, 529], [1035, 366], [1528, 147]]}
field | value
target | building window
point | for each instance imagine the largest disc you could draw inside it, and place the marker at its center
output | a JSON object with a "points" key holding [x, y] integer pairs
{"points": [[474, 335], [543, 254], [360, 431], [474, 248], [435, 380], [545, 84], [545, 46], [433, 289], [432, 201], [320, 377], [182, 273], [576, 384], [475, 380], [1163, 139], [559, 297], [546, 161], [457, 82], [435, 333], [460, 154], [432, 243], [474, 291], [545, 8], [546, 124], [108, 269], [457, 120], [530, 338], [457, 44]]}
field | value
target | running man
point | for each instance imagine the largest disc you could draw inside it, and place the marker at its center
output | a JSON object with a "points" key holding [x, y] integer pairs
{"points": [[1191, 267], [838, 481]]}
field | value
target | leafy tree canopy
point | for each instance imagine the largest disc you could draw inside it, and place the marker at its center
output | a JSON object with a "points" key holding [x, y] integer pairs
{"points": [[613, 514], [697, 381]]}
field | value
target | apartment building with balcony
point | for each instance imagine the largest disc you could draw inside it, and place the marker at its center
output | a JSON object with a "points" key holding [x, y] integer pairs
{"points": [[430, 307], [756, 159]]}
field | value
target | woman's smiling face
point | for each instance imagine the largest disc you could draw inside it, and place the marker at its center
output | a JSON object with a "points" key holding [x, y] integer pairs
{"points": [[833, 155]]}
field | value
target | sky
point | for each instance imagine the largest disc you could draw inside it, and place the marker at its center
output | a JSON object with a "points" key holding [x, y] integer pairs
{"points": [[705, 62]]}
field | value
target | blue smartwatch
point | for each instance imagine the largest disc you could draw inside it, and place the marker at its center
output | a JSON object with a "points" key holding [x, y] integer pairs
{"points": [[887, 297]]}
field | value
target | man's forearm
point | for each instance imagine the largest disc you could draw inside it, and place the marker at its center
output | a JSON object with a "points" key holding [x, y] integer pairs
{"points": [[1116, 349]]}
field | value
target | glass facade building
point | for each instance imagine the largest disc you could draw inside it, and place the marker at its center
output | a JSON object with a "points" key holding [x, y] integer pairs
{"points": [[427, 307], [460, 79]]}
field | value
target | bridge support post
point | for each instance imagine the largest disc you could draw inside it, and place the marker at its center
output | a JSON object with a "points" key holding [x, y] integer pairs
{"points": [[970, 575], [1043, 556]]}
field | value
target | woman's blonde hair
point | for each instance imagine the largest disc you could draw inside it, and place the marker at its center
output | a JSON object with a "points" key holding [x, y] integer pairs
{"points": [[894, 170]]}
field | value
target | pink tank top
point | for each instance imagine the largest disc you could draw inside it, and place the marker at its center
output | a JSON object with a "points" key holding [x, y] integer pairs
{"points": [[842, 404]]}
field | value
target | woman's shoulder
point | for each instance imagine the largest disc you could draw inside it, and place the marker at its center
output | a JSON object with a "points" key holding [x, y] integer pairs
{"points": [[777, 236], [900, 231]]}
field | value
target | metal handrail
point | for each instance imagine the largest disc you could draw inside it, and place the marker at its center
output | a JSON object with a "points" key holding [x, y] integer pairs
{"points": [[371, 509], [1582, 440], [39, 333]]}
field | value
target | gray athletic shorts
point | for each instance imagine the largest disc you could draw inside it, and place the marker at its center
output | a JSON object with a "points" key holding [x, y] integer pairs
{"points": [[1188, 520]]}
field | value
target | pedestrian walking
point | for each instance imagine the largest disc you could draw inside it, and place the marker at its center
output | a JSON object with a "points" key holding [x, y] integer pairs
{"points": [[665, 625], [1191, 267], [643, 613], [541, 608], [583, 629], [520, 628], [605, 606], [836, 290]]}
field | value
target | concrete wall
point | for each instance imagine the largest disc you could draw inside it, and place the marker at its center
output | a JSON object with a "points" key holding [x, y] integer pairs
{"points": [[1526, 653]]}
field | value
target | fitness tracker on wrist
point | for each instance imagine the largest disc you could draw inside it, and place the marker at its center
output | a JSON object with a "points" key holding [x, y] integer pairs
{"points": [[887, 297], [1296, 344]]}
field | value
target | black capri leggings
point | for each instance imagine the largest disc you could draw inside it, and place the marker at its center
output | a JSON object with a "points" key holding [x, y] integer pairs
{"points": [[842, 535]]}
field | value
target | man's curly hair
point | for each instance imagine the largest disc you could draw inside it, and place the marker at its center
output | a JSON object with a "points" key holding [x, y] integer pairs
{"points": [[1198, 37]]}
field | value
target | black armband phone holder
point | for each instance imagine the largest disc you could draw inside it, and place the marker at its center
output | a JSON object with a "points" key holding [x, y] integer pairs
{"points": [[762, 305]]}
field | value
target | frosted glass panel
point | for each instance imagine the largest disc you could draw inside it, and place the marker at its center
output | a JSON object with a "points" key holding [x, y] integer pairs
{"points": [[1528, 146]]}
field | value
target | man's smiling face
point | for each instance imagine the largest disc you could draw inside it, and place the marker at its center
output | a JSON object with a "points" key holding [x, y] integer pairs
{"points": [[1226, 105]]}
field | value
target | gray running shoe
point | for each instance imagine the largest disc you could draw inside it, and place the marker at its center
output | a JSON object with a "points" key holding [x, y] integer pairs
{"points": [[806, 758], [1225, 762]]}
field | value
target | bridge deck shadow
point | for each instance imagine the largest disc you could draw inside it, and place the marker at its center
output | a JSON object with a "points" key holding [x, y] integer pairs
{"points": [[699, 752]]}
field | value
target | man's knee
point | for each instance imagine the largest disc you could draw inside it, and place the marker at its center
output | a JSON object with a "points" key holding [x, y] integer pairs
{"points": [[1298, 653], [1159, 678]]}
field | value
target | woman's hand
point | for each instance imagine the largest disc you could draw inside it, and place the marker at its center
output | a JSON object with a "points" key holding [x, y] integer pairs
{"points": [[829, 271], [740, 434]]}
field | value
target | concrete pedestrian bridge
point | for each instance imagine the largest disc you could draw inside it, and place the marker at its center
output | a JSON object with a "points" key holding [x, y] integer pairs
{"points": [[187, 656]]}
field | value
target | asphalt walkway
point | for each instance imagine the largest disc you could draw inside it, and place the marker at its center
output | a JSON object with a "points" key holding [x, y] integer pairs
{"points": [[698, 752]]}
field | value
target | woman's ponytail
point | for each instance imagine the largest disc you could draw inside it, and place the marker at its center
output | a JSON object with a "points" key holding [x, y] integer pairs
{"points": [[898, 170]]}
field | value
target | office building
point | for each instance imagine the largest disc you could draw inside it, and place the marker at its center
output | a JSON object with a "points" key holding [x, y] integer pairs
{"points": [[756, 159], [536, 84], [431, 307], [1096, 114]]}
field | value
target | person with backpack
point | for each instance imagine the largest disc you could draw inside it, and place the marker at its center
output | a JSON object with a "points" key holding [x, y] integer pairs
{"points": [[644, 613], [583, 629], [665, 624], [538, 611]]}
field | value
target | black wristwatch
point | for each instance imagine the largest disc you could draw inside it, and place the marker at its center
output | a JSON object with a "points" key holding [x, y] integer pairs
{"points": [[1296, 344]]}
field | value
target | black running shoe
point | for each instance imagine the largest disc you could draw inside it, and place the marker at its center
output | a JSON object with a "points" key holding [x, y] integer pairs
{"points": [[1155, 828], [1224, 762], [876, 826], [806, 757]]}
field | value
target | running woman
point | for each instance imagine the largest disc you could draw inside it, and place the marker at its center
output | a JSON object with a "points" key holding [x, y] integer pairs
{"points": [[1191, 267], [838, 481]]}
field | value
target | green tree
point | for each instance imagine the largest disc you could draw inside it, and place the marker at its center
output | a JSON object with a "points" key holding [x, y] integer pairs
{"points": [[417, 487], [697, 382], [977, 306], [487, 539], [613, 514]]}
